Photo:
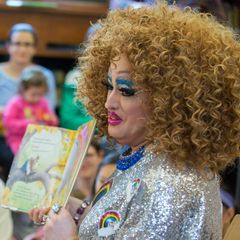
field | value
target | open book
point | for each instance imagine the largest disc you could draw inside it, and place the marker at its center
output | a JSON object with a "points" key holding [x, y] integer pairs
{"points": [[46, 166]]}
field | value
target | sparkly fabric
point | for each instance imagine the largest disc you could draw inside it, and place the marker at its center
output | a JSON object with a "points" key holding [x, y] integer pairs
{"points": [[169, 204]]}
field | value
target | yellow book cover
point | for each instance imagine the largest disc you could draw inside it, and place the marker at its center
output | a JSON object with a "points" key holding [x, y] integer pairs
{"points": [[46, 166]]}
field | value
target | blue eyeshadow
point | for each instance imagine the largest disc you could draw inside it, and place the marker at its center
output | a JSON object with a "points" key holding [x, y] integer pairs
{"points": [[128, 83]]}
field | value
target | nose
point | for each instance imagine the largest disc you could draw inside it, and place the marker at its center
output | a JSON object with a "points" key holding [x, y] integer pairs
{"points": [[112, 101]]}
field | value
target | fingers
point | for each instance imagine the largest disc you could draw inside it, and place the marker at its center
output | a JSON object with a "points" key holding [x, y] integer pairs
{"points": [[63, 214], [51, 224], [60, 226], [34, 214], [37, 214]]}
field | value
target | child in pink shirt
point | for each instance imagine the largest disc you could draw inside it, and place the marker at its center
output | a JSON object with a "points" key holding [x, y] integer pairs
{"points": [[29, 106]]}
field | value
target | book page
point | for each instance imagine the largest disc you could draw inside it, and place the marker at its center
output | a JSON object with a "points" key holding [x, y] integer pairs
{"points": [[38, 167], [75, 159]]}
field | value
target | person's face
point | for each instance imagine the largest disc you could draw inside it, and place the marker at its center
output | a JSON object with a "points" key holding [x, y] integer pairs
{"points": [[104, 173], [34, 94], [127, 111], [21, 47], [90, 163]]}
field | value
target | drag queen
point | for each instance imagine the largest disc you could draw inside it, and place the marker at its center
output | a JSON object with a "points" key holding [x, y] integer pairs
{"points": [[166, 83]]}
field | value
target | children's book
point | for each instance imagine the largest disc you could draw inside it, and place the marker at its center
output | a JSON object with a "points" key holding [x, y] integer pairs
{"points": [[46, 166]]}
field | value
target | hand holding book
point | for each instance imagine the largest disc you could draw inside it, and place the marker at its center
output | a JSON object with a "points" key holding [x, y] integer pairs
{"points": [[46, 166]]}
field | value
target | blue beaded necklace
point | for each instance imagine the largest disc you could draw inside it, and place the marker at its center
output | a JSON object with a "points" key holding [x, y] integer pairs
{"points": [[125, 162]]}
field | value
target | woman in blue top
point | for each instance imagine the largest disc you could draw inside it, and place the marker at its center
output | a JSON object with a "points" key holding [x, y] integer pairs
{"points": [[21, 47]]}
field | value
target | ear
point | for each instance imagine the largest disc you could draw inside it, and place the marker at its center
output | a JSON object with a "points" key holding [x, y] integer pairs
{"points": [[34, 50], [7, 46]]}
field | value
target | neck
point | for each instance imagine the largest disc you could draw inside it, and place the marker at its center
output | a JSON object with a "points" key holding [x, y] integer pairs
{"points": [[134, 148], [17, 68]]}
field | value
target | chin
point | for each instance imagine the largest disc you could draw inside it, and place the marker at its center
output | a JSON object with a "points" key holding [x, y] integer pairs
{"points": [[22, 60], [120, 140], [119, 135], [114, 133]]}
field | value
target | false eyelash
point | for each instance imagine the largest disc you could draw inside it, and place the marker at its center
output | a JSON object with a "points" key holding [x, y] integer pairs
{"points": [[127, 92]]}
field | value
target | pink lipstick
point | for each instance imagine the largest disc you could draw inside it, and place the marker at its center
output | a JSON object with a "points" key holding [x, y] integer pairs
{"points": [[113, 119]]}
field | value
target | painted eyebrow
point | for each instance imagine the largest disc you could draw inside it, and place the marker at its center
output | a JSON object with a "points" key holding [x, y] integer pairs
{"points": [[129, 83], [119, 72], [109, 77]]}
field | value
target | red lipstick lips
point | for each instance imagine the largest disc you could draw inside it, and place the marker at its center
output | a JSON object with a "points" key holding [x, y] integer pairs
{"points": [[113, 119]]}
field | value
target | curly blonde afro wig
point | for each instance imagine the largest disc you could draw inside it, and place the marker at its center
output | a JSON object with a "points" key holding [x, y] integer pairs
{"points": [[190, 66]]}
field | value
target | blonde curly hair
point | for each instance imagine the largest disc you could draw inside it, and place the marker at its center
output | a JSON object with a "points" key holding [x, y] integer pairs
{"points": [[190, 66]]}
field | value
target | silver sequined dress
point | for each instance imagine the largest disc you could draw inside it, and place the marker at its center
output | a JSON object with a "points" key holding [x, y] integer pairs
{"points": [[154, 200]]}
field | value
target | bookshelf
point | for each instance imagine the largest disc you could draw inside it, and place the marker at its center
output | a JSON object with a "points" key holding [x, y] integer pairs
{"points": [[61, 27]]}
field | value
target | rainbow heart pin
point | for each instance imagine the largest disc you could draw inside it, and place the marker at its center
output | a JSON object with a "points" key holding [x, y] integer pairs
{"points": [[132, 188]]}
